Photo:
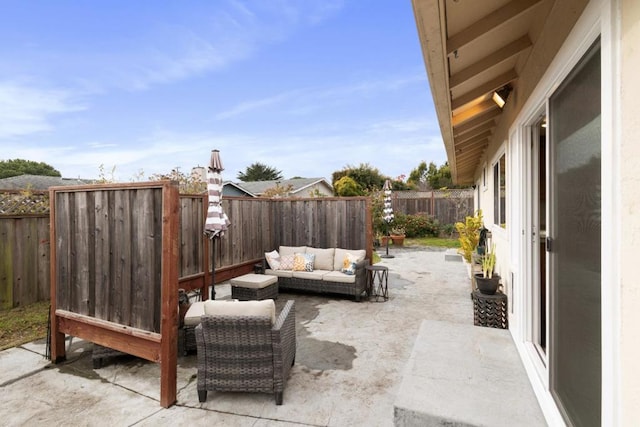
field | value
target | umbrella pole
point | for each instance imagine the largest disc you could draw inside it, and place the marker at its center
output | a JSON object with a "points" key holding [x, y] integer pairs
{"points": [[387, 242], [213, 273], [386, 255]]}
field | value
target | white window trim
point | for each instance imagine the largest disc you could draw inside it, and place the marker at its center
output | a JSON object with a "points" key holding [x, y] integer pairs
{"points": [[495, 228]]}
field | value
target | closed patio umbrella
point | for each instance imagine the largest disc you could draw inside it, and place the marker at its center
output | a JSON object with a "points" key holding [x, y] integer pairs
{"points": [[387, 214], [217, 222]]}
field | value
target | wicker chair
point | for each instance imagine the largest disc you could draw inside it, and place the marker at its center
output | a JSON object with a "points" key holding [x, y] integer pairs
{"points": [[246, 353]]}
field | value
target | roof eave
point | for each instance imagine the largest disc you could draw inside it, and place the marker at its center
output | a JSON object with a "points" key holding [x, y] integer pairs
{"points": [[430, 21]]}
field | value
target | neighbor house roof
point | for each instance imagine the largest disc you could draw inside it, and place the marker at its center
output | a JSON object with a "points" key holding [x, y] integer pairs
{"points": [[475, 49], [232, 189], [298, 185], [38, 182]]}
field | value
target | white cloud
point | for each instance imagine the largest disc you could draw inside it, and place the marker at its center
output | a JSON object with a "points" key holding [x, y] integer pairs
{"points": [[305, 101], [26, 110], [256, 104], [226, 33]]}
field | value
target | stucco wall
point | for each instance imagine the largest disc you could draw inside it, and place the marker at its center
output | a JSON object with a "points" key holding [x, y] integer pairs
{"points": [[629, 158]]}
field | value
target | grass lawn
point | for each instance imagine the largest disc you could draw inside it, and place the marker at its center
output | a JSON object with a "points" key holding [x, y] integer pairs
{"points": [[23, 324], [441, 242]]}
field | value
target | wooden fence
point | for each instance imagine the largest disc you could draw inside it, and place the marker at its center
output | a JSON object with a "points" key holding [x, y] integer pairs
{"points": [[24, 260], [258, 226], [447, 206], [114, 271]]}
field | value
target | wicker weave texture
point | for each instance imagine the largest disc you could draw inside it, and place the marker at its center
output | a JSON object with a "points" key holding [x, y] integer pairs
{"points": [[187, 340], [323, 286], [245, 294], [246, 353]]}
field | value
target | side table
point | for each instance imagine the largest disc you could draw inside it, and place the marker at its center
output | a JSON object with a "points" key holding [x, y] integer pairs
{"points": [[490, 310], [258, 268], [377, 281]]}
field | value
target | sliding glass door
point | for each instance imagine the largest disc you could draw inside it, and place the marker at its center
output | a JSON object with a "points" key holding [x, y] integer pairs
{"points": [[573, 242]]}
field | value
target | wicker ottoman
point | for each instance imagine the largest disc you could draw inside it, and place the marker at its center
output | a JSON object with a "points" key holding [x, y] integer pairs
{"points": [[254, 287]]}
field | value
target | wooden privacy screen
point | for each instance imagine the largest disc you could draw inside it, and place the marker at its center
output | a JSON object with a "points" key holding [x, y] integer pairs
{"points": [[114, 271]]}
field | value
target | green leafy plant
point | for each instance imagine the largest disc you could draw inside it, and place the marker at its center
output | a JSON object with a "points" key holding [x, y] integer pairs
{"points": [[489, 262], [447, 230], [417, 225], [398, 231], [469, 235]]}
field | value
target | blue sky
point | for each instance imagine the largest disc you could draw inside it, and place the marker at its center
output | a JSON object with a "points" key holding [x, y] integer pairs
{"points": [[305, 86]]}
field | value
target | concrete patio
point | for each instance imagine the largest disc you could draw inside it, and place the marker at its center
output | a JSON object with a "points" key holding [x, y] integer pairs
{"points": [[415, 359]]}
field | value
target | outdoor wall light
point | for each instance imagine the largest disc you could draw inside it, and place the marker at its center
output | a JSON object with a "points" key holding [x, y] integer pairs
{"points": [[500, 96]]}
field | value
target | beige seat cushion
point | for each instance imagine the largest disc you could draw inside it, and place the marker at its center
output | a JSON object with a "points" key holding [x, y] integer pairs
{"points": [[254, 281], [195, 312], [291, 250], [265, 307], [311, 275], [342, 253], [324, 258], [337, 276], [278, 273]]}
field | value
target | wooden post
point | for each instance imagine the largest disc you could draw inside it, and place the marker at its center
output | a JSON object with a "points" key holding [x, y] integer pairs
{"points": [[169, 314], [204, 291], [58, 353], [369, 230]]}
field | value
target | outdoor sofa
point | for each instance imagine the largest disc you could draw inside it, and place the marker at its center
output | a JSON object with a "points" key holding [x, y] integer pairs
{"points": [[320, 270]]}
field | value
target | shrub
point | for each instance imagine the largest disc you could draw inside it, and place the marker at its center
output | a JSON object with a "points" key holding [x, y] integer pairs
{"points": [[448, 230], [418, 225]]}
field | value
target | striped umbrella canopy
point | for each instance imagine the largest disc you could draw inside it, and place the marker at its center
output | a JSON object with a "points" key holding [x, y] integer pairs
{"points": [[387, 212], [217, 221]]}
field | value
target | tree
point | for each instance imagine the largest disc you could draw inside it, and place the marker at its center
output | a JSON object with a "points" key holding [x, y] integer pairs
{"points": [[347, 187], [439, 177], [436, 177], [278, 191], [259, 172], [367, 177], [419, 174], [188, 184], [15, 167]]}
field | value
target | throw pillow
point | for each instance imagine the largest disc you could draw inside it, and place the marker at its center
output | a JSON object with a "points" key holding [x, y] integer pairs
{"points": [[303, 262], [273, 259], [348, 259], [309, 261], [350, 269], [286, 262], [298, 262], [349, 264]]}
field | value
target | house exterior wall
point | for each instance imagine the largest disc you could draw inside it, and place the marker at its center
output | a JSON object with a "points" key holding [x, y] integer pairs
{"points": [[311, 190], [629, 204], [230, 190], [618, 25]]}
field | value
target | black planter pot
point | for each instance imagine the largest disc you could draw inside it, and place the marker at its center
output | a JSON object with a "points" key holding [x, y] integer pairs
{"points": [[487, 286]]}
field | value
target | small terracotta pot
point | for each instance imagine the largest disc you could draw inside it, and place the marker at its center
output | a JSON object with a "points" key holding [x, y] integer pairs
{"points": [[397, 240]]}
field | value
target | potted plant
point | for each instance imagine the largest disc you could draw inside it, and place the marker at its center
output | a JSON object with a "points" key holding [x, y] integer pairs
{"points": [[397, 235], [382, 239], [487, 282], [469, 237]]}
